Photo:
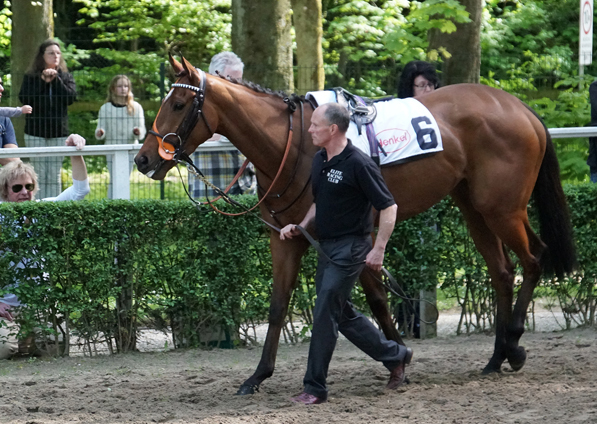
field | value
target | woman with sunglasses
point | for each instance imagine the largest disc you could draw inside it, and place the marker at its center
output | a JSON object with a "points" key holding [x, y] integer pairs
{"points": [[18, 183], [418, 78]]}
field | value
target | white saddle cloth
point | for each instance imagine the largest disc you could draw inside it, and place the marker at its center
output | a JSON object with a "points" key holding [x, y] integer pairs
{"points": [[404, 128]]}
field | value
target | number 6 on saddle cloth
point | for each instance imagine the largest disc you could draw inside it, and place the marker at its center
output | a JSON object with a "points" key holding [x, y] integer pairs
{"points": [[396, 130]]}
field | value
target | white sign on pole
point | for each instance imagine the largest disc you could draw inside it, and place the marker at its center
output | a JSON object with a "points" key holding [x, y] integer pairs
{"points": [[586, 33]]}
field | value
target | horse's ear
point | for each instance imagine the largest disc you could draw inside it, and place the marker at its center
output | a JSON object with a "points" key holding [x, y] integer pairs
{"points": [[191, 71], [175, 64]]}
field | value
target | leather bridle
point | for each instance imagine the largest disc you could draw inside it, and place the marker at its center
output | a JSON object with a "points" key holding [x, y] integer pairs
{"points": [[174, 150]]}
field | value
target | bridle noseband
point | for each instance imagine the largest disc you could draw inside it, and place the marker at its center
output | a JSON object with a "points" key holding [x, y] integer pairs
{"points": [[174, 150]]}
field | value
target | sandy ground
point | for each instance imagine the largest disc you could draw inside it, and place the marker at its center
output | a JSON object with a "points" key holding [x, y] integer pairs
{"points": [[558, 384]]}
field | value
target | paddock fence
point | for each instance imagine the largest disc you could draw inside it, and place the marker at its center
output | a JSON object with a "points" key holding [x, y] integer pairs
{"points": [[130, 184]]}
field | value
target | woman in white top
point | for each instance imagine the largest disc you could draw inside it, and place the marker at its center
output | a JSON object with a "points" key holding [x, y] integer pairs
{"points": [[121, 119]]}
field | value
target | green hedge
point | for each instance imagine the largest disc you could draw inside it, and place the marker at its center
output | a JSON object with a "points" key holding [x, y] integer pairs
{"points": [[105, 269]]}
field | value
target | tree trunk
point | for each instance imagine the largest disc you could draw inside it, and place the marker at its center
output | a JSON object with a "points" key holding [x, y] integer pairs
{"points": [[309, 55], [261, 37], [464, 45], [32, 24]]}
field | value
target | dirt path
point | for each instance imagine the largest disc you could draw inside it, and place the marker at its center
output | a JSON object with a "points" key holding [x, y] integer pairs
{"points": [[558, 384]]}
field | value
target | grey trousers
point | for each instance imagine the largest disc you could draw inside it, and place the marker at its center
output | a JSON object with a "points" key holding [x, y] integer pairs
{"points": [[47, 168], [334, 312]]}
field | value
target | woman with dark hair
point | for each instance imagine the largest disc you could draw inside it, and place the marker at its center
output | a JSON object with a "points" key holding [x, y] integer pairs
{"points": [[418, 78], [49, 88]]}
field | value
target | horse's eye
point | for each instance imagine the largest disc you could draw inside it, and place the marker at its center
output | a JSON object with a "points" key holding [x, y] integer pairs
{"points": [[178, 106]]}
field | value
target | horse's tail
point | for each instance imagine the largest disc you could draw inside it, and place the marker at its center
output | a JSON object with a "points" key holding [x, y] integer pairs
{"points": [[554, 218]]}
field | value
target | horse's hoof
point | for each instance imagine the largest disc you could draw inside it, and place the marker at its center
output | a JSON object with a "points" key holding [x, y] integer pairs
{"points": [[491, 369], [247, 389], [517, 358]]}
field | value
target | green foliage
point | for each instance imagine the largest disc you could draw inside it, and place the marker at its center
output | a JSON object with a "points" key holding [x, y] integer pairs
{"points": [[363, 40], [572, 108], [107, 268], [5, 30], [409, 40], [577, 294], [199, 29]]}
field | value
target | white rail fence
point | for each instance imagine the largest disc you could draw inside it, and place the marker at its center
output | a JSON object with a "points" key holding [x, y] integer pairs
{"points": [[120, 154]]}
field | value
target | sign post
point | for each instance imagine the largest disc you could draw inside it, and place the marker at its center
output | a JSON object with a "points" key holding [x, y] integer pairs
{"points": [[585, 45]]}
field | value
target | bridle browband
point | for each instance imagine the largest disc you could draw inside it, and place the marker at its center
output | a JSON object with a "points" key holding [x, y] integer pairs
{"points": [[171, 151]]}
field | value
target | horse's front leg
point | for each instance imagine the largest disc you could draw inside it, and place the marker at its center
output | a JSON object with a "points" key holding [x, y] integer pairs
{"points": [[286, 257], [377, 298]]}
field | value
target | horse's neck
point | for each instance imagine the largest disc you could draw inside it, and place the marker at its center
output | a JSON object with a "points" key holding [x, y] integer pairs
{"points": [[258, 126]]}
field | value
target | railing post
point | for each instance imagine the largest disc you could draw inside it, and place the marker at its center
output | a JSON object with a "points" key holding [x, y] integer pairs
{"points": [[162, 95], [121, 187]]}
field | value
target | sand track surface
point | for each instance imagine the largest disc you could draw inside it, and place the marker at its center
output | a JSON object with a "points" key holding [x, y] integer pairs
{"points": [[558, 384]]}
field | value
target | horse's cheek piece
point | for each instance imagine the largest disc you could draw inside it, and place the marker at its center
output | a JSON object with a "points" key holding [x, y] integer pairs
{"points": [[166, 150]]}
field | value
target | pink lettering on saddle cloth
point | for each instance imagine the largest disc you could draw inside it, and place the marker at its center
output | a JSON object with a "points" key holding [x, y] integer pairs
{"points": [[404, 128]]}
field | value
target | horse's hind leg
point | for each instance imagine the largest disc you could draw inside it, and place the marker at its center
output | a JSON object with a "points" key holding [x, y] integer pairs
{"points": [[500, 269], [517, 234], [286, 257], [377, 299]]}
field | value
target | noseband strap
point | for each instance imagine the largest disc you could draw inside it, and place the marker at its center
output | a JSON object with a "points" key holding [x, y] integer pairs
{"points": [[171, 149]]}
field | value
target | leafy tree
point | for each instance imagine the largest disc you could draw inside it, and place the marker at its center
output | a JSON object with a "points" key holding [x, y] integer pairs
{"points": [[464, 62], [197, 29], [262, 38], [365, 40]]}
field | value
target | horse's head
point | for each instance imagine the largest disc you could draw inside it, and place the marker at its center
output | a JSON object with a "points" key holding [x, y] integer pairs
{"points": [[183, 122]]}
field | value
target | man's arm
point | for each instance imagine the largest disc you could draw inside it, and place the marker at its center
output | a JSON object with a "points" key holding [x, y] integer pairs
{"points": [[290, 230], [5, 161], [387, 221], [77, 162], [5, 311]]}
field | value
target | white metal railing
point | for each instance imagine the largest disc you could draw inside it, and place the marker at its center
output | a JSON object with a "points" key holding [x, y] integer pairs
{"points": [[120, 154]]}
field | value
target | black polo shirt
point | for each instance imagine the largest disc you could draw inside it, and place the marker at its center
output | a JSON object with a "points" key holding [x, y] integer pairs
{"points": [[344, 190]]}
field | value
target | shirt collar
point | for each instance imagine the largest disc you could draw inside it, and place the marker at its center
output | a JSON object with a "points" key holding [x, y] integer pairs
{"points": [[343, 155]]}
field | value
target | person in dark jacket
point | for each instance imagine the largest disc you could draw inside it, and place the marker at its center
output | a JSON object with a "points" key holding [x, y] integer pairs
{"points": [[49, 88], [418, 77], [592, 159]]}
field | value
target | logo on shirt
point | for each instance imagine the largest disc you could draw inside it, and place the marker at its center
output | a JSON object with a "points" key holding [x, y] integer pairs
{"points": [[334, 176]]}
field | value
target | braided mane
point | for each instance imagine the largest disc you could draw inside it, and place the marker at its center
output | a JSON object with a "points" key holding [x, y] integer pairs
{"points": [[253, 86], [259, 89]]}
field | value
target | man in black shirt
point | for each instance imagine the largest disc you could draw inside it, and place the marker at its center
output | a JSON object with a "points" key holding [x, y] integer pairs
{"points": [[346, 184]]}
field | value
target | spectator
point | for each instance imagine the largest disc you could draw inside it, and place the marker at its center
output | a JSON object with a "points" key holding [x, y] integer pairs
{"points": [[592, 160], [418, 77], [220, 167], [7, 131], [121, 119], [50, 89], [18, 183]]}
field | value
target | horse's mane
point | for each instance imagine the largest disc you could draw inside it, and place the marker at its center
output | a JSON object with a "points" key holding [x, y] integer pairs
{"points": [[255, 87]]}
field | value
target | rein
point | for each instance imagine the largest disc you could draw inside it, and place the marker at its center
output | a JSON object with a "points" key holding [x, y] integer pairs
{"points": [[175, 150], [393, 286]]}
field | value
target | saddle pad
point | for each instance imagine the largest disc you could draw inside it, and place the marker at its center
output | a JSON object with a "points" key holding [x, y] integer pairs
{"points": [[404, 128]]}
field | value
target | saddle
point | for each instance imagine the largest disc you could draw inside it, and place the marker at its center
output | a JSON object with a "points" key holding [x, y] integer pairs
{"points": [[362, 111]]}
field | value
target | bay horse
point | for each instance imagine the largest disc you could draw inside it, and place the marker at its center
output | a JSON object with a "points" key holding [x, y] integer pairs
{"points": [[497, 152]]}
